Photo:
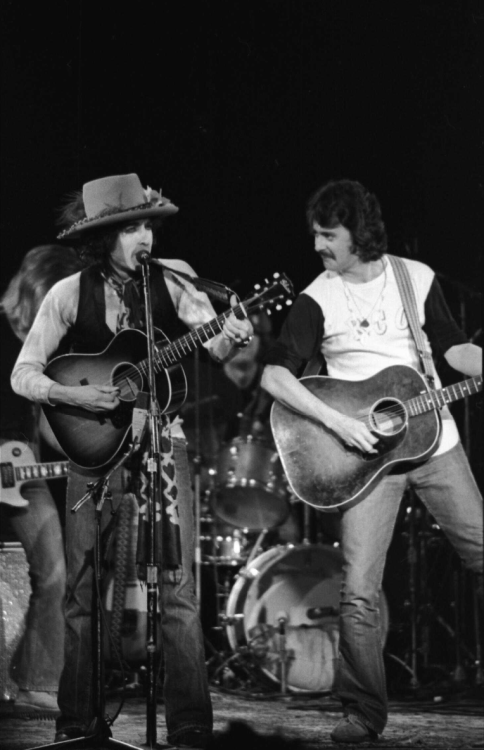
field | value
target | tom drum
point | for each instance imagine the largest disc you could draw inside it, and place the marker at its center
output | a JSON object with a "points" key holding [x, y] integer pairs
{"points": [[251, 489]]}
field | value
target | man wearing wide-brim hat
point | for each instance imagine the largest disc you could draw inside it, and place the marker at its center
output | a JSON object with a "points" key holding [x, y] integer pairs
{"points": [[110, 224]]}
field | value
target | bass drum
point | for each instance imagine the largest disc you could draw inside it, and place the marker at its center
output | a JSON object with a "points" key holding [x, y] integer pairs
{"points": [[300, 584]]}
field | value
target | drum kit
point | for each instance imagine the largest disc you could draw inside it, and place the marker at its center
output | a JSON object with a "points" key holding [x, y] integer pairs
{"points": [[269, 595]]}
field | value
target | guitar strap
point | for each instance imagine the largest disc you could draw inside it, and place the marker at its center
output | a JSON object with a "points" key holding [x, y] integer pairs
{"points": [[407, 294]]}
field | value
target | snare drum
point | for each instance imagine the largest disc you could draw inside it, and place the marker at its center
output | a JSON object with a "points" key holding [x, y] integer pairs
{"points": [[222, 546], [251, 490], [301, 584]]}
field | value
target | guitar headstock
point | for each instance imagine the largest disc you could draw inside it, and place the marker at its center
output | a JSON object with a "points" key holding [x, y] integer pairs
{"points": [[275, 293]]}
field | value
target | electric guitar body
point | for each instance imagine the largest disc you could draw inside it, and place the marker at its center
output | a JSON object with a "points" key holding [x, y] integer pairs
{"points": [[18, 466]]}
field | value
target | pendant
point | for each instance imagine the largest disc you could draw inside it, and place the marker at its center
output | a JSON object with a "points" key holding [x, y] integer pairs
{"points": [[364, 323]]}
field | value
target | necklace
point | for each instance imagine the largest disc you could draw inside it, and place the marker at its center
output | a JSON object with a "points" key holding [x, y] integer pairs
{"points": [[364, 320]]}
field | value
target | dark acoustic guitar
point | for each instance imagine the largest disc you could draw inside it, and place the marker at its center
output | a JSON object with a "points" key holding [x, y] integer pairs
{"points": [[92, 440], [396, 405]]}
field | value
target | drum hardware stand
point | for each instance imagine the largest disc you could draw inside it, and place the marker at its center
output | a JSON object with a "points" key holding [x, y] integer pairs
{"points": [[419, 550], [197, 462], [479, 676], [459, 674], [281, 622], [255, 550], [412, 600], [99, 733]]}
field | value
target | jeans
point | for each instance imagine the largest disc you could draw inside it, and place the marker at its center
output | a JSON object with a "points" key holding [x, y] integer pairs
{"points": [[186, 693], [37, 662], [448, 489]]}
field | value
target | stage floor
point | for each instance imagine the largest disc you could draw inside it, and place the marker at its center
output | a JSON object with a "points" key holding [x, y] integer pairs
{"points": [[302, 723]]}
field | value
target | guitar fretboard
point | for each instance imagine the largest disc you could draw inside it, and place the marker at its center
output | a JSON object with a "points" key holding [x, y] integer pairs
{"points": [[171, 353], [436, 399], [42, 471], [168, 354]]}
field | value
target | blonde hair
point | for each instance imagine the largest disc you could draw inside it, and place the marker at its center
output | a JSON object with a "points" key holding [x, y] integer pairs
{"points": [[41, 268]]}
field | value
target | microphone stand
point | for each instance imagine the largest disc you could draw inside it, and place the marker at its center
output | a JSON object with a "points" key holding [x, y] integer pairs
{"points": [[99, 733], [153, 580]]}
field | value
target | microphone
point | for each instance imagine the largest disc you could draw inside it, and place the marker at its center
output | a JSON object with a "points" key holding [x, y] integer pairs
{"points": [[313, 613], [143, 256]]}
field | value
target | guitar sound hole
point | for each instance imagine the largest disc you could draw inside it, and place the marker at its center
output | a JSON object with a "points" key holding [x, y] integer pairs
{"points": [[128, 379], [388, 417]]}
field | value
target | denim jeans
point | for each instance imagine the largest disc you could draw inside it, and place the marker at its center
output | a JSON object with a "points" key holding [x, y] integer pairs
{"points": [[186, 693], [37, 662], [447, 487]]}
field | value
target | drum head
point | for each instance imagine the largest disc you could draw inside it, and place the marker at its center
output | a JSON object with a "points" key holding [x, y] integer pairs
{"points": [[301, 586], [251, 489]]}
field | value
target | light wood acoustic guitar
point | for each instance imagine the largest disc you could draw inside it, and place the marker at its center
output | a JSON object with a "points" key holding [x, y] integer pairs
{"points": [[395, 404]]}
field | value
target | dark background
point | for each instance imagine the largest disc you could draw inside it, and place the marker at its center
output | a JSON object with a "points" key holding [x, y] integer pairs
{"points": [[238, 111]]}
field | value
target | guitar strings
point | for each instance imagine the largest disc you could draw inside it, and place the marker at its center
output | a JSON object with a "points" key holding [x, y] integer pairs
{"points": [[243, 307], [428, 399]]}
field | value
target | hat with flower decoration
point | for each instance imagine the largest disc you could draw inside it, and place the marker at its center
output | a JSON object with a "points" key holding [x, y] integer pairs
{"points": [[110, 200]]}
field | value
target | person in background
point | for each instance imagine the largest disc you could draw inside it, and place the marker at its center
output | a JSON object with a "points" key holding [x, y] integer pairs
{"points": [[37, 663]]}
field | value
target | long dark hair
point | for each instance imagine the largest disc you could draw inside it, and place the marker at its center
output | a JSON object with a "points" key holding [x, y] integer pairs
{"points": [[41, 268], [348, 203]]}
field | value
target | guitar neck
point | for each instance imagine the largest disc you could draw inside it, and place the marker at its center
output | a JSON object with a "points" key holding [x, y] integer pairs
{"points": [[173, 352], [54, 470], [437, 399], [170, 353]]}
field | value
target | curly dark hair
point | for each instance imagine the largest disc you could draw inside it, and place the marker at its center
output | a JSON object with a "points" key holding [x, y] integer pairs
{"points": [[94, 247], [348, 203]]}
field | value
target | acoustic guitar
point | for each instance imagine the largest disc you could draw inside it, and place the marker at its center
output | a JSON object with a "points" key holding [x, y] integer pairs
{"points": [[395, 404], [92, 440], [18, 466]]}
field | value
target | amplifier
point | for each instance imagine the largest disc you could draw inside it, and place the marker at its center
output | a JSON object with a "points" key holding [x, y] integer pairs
{"points": [[14, 602]]}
